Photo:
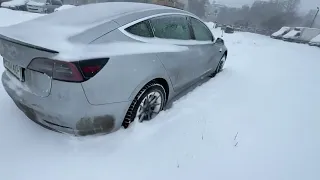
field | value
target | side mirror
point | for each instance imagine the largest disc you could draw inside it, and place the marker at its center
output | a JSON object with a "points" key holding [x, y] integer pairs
{"points": [[47, 3], [219, 41]]}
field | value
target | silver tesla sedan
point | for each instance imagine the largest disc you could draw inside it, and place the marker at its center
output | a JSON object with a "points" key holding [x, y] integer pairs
{"points": [[95, 68]]}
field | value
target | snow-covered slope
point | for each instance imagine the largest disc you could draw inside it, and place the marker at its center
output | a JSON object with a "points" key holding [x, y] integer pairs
{"points": [[257, 120]]}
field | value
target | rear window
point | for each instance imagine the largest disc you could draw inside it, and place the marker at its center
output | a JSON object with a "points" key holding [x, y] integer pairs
{"points": [[142, 29]]}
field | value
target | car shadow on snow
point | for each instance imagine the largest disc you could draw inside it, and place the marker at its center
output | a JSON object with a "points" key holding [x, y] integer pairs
{"points": [[190, 89]]}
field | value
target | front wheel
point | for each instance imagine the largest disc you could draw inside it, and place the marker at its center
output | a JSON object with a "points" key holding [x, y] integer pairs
{"points": [[220, 66], [147, 104]]}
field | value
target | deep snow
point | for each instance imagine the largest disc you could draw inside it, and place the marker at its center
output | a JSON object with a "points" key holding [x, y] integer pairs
{"points": [[257, 120]]}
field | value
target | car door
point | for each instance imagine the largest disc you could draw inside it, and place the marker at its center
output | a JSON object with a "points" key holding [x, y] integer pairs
{"points": [[209, 52], [183, 67]]}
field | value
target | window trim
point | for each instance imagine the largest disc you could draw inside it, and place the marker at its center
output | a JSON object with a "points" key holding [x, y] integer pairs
{"points": [[149, 26], [159, 40], [190, 28]]}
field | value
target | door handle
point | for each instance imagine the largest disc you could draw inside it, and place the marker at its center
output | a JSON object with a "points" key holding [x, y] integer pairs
{"points": [[220, 50]]}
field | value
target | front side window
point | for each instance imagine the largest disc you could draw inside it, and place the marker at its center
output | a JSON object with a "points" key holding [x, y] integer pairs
{"points": [[201, 31], [171, 27], [141, 29]]}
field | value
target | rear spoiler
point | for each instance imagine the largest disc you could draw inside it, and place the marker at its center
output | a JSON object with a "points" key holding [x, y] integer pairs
{"points": [[5, 38]]}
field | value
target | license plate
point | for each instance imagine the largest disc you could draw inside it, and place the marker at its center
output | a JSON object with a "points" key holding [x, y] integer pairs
{"points": [[14, 69]]}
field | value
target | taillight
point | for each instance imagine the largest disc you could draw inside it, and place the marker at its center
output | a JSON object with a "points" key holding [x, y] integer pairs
{"points": [[90, 68], [68, 71]]}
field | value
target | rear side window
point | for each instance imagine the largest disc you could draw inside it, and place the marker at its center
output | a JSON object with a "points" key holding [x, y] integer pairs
{"points": [[171, 27], [142, 29], [201, 31]]}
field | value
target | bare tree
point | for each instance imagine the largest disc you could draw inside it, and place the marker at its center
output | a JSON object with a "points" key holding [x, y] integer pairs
{"points": [[198, 7], [291, 6]]}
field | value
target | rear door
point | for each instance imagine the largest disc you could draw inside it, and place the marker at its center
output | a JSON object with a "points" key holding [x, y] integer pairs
{"points": [[183, 67], [209, 52]]}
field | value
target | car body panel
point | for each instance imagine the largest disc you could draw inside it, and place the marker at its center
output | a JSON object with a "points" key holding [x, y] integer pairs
{"points": [[66, 109], [99, 104], [22, 54], [34, 82], [130, 71]]}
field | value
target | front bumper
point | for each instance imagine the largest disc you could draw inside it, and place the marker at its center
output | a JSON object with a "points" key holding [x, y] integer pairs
{"points": [[66, 109]]}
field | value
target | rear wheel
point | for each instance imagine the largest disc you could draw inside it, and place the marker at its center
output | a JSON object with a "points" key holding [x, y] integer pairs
{"points": [[147, 104]]}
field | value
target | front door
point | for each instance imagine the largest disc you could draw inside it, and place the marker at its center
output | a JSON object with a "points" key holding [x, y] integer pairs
{"points": [[209, 52], [183, 65]]}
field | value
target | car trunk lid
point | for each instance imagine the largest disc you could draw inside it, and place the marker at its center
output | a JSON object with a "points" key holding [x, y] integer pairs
{"points": [[16, 58]]}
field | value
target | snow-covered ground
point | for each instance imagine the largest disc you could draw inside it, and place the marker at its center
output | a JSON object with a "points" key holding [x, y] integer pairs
{"points": [[257, 120]]}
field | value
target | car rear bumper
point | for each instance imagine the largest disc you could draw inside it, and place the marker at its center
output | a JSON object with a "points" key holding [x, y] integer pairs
{"points": [[66, 109]]}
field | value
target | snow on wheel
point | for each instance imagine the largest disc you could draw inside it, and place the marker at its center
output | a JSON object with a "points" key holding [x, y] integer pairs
{"points": [[221, 63], [220, 66], [147, 104]]}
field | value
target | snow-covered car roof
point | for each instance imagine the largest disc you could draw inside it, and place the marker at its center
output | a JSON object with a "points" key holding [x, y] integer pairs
{"points": [[64, 7], [14, 3], [291, 34], [281, 31], [66, 27], [99, 13]]}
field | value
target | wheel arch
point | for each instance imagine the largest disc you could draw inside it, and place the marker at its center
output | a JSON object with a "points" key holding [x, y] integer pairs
{"points": [[164, 81], [139, 91]]}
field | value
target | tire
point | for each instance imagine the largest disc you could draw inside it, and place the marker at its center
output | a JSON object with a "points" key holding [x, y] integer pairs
{"points": [[220, 66], [153, 91]]}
